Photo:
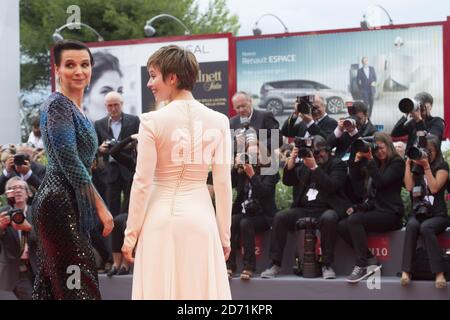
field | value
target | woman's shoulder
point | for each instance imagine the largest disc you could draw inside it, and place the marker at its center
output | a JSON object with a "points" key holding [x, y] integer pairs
{"points": [[216, 115], [443, 166], [56, 102], [397, 160], [147, 117]]}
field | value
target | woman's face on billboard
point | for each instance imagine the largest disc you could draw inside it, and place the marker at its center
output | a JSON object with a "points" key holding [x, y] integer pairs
{"points": [[94, 101]]}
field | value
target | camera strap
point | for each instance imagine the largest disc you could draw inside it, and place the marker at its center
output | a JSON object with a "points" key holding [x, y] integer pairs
{"points": [[249, 196], [428, 196]]}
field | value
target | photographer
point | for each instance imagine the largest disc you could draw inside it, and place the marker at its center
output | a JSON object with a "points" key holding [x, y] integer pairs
{"points": [[120, 265], [19, 164], [314, 122], [382, 208], [429, 215], [17, 242], [253, 209], [110, 131], [320, 179], [349, 129], [419, 110], [258, 120]]}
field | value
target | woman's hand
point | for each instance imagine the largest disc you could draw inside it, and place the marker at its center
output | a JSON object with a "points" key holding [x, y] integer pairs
{"points": [[310, 162], [408, 162], [106, 219], [360, 155], [423, 163], [128, 254], [248, 168], [290, 163], [226, 252]]}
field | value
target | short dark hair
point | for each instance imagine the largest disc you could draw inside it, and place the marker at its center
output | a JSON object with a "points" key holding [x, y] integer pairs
{"points": [[360, 106], [320, 143], [176, 60], [424, 97], [63, 45]]}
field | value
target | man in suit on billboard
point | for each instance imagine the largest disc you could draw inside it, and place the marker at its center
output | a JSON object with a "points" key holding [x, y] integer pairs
{"points": [[367, 80]]}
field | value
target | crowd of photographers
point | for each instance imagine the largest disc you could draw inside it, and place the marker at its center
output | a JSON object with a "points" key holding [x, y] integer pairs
{"points": [[346, 181]]}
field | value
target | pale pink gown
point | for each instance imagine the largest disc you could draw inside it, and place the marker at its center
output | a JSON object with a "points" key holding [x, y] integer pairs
{"points": [[178, 236]]}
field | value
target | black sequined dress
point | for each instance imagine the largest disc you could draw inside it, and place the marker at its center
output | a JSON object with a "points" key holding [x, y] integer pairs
{"points": [[63, 206]]}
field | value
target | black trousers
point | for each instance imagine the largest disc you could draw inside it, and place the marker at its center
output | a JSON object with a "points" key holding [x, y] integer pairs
{"points": [[24, 286], [114, 195], [354, 230], [100, 243], [428, 230], [120, 224], [368, 97], [244, 229], [285, 221]]}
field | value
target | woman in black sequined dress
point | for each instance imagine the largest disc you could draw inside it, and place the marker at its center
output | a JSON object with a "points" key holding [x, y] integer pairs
{"points": [[66, 201]]}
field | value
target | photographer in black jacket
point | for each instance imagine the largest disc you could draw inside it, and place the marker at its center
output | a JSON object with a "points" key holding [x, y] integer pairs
{"points": [[253, 209], [317, 122], [349, 129], [382, 169], [128, 160], [421, 120], [320, 179], [429, 214]]}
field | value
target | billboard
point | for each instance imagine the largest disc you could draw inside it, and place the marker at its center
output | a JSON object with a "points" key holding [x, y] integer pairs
{"points": [[402, 62], [122, 67]]}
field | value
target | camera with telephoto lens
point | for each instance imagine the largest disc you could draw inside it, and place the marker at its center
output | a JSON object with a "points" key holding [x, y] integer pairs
{"points": [[16, 215], [350, 121], [309, 264], [20, 158], [305, 104], [418, 151], [421, 207], [364, 144], [408, 105], [305, 146]]}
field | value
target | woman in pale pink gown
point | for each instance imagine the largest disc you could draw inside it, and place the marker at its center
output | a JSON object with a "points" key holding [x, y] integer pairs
{"points": [[181, 243]]}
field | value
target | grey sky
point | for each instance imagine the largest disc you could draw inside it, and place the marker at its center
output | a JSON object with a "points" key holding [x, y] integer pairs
{"points": [[314, 15]]}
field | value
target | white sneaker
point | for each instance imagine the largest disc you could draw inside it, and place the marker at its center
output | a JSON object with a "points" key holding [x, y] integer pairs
{"points": [[271, 273], [328, 272]]}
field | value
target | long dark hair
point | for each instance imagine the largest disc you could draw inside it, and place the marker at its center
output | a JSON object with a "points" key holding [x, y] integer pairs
{"points": [[439, 159], [104, 61], [387, 140]]}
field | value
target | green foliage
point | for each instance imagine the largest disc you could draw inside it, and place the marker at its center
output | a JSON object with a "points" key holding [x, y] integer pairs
{"points": [[113, 19], [406, 203], [283, 195]]}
